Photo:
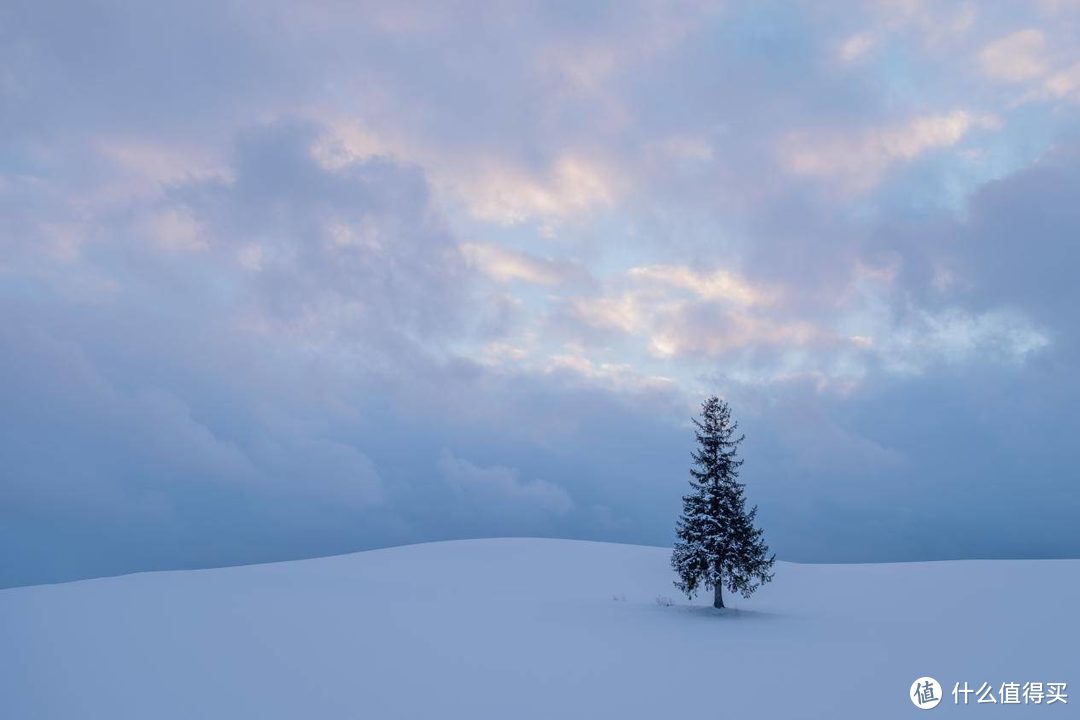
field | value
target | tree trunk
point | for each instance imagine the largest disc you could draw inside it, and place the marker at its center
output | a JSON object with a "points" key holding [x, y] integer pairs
{"points": [[718, 595]]}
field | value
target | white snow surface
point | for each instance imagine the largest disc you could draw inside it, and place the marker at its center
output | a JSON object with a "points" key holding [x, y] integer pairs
{"points": [[513, 629]]}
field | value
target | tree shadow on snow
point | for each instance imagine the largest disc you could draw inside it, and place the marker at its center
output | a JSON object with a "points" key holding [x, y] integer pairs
{"points": [[707, 612]]}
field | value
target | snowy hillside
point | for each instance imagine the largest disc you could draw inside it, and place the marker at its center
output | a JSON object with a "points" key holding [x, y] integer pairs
{"points": [[517, 628]]}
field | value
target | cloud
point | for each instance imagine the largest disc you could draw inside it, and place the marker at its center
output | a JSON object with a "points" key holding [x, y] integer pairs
{"points": [[499, 490], [174, 230], [1064, 83], [1015, 246], [871, 326], [220, 292], [958, 337], [572, 185], [706, 331], [258, 275], [856, 47], [619, 378], [719, 285], [101, 448], [1016, 57], [350, 249], [675, 312], [861, 159], [1025, 58], [935, 24], [506, 265], [650, 297]]}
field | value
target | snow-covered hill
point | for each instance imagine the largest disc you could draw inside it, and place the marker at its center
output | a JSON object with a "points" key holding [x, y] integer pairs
{"points": [[519, 628]]}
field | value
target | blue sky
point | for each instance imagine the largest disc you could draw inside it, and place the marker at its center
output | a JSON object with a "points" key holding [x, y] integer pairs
{"points": [[289, 279]]}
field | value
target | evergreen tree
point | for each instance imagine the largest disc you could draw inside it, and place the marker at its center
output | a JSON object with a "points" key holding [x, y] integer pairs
{"points": [[718, 544]]}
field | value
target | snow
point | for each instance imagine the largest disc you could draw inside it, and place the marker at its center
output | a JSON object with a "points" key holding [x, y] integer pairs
{"points": [[526, 628]]}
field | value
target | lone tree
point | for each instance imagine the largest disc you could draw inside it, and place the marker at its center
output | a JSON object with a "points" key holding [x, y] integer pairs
{"points": [[718, 544]]}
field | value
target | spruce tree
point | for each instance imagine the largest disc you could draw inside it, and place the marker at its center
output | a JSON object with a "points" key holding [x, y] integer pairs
{"points": [[718, 544]]}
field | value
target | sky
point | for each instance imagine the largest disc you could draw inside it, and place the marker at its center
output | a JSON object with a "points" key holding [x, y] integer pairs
{"points": [[281, 280]]}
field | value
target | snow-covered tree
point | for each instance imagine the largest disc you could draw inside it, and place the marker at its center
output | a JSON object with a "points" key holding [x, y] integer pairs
{"points": [[718, 544]]}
